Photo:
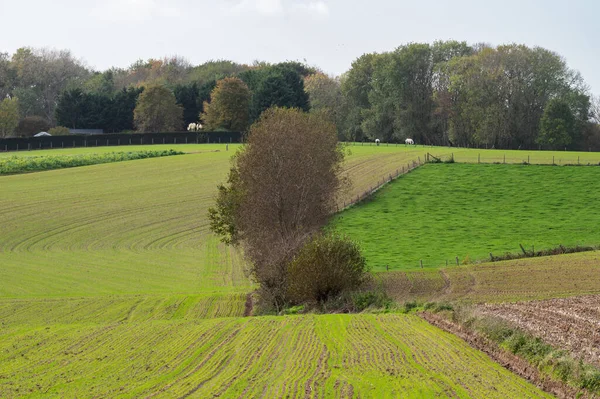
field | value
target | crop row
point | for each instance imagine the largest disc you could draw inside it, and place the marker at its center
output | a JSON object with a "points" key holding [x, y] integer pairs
{"points": [[306, 356], [113, 309], [17, 164]]}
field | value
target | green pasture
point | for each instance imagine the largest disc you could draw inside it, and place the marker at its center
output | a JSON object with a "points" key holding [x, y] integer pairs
{"points": [[443, 211]]}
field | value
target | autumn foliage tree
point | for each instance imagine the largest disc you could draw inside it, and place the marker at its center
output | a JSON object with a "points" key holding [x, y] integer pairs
{"points": [[281, 189], [229, 106], [157, 111], [31, 125]]}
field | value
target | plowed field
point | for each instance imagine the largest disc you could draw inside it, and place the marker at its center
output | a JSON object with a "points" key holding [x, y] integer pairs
{"points": [[572, 324]]}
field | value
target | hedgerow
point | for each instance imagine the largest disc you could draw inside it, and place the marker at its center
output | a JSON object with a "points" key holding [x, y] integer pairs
{"points": [[17, 164]]}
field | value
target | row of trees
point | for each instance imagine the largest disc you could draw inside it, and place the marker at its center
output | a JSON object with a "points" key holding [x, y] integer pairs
{"points": [[445, 93], [453, 93]]}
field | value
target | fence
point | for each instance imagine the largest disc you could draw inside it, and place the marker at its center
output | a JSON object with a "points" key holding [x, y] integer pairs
{"points": [[48, 142], [380, 183], [517, 157]]}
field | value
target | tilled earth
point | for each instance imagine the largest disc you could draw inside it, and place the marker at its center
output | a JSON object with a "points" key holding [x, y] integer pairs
{"points": [[569, 323]]}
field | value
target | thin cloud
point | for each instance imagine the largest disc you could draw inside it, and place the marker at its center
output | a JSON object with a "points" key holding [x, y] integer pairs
{"points": [[280, 7], [318, 8], [135, 10]]}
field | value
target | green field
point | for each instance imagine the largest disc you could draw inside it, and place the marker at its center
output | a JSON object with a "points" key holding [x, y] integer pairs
{"points": [[342, 356], [443, 211], [111, 285]]}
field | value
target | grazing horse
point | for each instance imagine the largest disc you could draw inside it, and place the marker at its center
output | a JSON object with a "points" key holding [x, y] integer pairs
{"points": [[194, 127], [409, 141]]}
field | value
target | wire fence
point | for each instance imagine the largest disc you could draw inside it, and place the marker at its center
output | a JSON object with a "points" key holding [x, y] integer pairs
{"points": [[388, 178]]}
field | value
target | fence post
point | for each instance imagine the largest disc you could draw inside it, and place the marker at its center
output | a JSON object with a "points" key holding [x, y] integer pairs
{"points": [[478, 158], [552, 159], [528, 159], [457, 261], [504, 158], [578, 160], [421, 263]]}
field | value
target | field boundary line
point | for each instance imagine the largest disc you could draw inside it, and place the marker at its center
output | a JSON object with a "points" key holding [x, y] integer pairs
{"points": [[410, 166]]}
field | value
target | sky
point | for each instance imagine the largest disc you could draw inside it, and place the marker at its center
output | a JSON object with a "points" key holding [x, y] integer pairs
{"points": [[329, 34]]}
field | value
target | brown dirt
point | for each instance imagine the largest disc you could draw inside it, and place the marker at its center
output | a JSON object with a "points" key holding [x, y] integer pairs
{"points": [[506, 359], [572, 324]]}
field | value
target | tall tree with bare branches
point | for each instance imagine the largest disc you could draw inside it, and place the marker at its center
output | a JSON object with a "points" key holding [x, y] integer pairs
{"points": [[282, 187]]}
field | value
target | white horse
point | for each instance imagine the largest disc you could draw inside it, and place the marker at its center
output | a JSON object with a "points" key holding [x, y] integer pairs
{"points": [[194, 127], [409, 141], [377, 141]]}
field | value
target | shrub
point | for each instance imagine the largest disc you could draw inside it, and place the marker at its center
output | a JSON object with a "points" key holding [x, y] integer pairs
{"points": [[325, 267], [371, 299], [59, 131], [31, 125], [409, 306]]}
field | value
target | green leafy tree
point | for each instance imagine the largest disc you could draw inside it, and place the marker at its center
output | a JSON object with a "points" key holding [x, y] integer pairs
{"points": [[42, 75], [356, 85], [102, 83], [122, 107], [157, 111], [557, 125], [77, 109], [188, 97], [279, 85], [229, 106], [9, 116]]}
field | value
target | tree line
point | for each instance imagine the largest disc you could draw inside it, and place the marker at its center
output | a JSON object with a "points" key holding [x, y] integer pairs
{"points": [[445, 93]]}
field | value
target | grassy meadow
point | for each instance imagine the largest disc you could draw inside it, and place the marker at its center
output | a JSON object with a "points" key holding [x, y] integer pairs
{"points": [[111, 285], [443, 211]]}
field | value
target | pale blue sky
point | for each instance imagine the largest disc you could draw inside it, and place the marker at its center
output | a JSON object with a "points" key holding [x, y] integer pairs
{"points": [[326, 33]]}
